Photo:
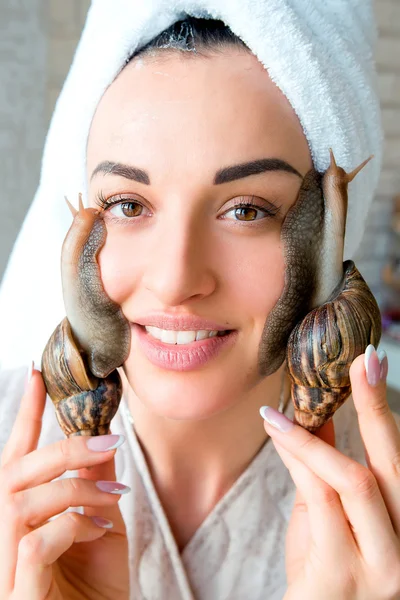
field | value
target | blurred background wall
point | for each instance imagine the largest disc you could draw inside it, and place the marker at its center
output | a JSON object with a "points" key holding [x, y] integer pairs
{"points": [[37, 42], [23, 120]]}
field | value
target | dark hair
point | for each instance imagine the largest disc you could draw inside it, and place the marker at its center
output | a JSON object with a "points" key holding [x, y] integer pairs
{"points": [[192, 35]]}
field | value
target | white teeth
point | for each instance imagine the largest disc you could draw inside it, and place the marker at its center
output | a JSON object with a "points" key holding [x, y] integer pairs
{"points": [[202, 335], [154, 331], [179, 337], [169, 337], [185, 337]]}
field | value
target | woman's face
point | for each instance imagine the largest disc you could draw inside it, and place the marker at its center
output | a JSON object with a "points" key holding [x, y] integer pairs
{"points": [[176, 243]]}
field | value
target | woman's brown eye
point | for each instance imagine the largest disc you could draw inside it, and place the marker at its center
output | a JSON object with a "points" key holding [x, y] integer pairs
{"points": [[128, 209], [246, 212]]}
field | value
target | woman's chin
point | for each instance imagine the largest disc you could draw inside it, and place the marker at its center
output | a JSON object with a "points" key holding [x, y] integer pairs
{"points": [[182, 397]]}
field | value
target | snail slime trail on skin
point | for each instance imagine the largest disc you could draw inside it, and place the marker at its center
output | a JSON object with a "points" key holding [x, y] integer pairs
{"points": [[302, 235]]}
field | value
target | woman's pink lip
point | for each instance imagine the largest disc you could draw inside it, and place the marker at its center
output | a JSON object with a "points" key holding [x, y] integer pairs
{"points": [[181, 357]]}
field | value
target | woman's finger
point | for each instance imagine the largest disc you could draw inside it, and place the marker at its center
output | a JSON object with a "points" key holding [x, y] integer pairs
{"points": [[53, 460], [38, 504], [378, 428], [36, 468], [26, 430], [39, 549], [327, 522], [30, 508], [359, 492], [104, 471], [298, 536]]}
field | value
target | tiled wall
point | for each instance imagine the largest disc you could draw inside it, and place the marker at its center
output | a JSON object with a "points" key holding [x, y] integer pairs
{"points": [[65, 21], [378, 240], [23, 122], [62, 23]]}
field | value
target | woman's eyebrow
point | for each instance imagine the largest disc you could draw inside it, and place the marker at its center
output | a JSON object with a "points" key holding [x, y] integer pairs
{"points": [[224, 175], [129, 172], [253, 168]]}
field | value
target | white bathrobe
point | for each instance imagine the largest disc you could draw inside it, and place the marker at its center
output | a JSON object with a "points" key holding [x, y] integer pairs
{"points": [[237, 553]]}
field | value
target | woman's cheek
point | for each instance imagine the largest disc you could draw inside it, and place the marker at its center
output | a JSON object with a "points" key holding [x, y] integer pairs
{"points": [[252, 273], [261, 279], [118, 269]]}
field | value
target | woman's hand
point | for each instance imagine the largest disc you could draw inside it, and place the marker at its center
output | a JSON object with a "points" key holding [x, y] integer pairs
{"points": [[70, 556], [343, 539]]}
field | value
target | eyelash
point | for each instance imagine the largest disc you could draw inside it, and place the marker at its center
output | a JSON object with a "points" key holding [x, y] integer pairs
{"points": [[106, 203]]}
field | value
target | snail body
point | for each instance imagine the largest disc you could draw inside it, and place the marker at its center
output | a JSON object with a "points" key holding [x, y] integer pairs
{"points": [[81, 357], [344, 320]]}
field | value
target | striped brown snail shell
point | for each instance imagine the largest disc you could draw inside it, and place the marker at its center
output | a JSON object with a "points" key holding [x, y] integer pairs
{"points": [[344, 321], [323, 345], [81, 357]]}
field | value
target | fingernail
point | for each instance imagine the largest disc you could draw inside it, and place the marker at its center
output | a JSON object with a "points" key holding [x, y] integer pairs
{"points": [[102, 522], [372, 366], [276, 419], [384, 365], [28, 375], [100, 443], [112, 487]]}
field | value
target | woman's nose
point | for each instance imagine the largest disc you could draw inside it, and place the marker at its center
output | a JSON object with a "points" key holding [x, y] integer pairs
{"points": [[180, 265]]}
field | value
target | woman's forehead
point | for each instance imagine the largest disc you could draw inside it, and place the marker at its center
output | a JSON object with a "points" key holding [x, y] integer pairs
{"points": [[197, 107]]}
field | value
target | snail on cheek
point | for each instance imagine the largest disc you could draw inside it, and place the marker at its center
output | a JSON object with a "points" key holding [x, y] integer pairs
{"points": [[301, 234], [326, 315], [80, 360]]}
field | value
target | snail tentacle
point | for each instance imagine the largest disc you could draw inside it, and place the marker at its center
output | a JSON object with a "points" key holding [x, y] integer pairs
{"points": [[330, 262]]}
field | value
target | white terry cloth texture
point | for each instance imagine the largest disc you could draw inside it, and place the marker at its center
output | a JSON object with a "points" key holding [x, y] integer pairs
{"points": [[320, 54]]}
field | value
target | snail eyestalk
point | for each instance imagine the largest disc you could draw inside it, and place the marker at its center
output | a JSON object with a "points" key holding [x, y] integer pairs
{"points": [[72, 208]]}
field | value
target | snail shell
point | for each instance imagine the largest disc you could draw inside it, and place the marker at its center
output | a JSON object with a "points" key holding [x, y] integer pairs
{"points": [[323, 345], [84, 404], [81, 357], [344, 319]]}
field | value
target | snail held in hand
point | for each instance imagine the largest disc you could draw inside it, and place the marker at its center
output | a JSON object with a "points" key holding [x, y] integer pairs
{"points": [[344, 321], [80, 359]]}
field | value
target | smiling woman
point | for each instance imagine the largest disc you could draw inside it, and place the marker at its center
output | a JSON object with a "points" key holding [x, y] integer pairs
{"points": [[217, 230], [203, 195]]}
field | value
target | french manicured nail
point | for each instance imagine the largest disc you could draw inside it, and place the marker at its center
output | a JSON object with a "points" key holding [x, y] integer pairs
{"points": [[101, 443], [372, 365], [102, 522], [28, 375], [383, 360], [112, 487], [276, 419]]}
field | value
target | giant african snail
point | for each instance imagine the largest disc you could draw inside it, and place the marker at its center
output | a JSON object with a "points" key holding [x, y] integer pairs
{"points": [[80, 359], [345, 319]]}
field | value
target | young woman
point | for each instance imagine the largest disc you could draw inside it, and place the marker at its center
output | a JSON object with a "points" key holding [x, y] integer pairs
{"points": [[193, 245]]}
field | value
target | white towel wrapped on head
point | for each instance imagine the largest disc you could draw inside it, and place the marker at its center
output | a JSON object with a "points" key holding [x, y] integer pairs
{"points": [[320, 54]]}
